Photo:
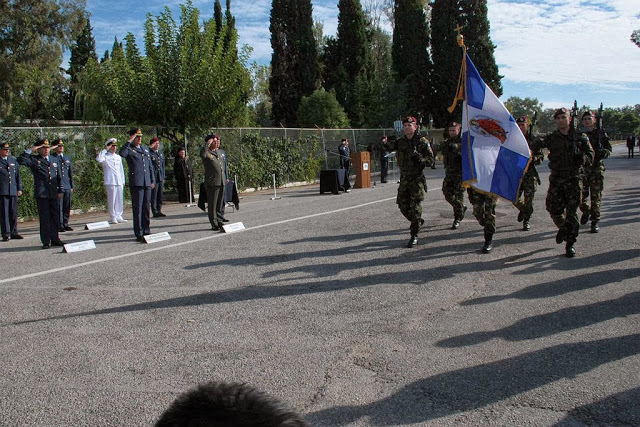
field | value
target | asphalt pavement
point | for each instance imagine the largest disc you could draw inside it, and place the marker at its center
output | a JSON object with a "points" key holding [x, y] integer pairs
{"points": [[319, 303]]}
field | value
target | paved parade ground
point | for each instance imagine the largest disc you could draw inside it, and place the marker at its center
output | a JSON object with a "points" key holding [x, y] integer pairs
{"points": [[319, 303]]}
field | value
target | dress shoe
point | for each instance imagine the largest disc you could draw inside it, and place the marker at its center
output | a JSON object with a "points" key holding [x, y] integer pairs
{"points": [[570, 250], [146, 233], [526, 226], [140, 239], [584, 218], [155, 215], [160, 214], [45, 246], [521, 216], [215, 228], [61, 230], [455, 225], [113, 221], [57, 243], [122, 220], [5, 238], [560, 236], [17, 237], [412, 242], [594, 227], [67, 228], [225, 220], [237, 206]]}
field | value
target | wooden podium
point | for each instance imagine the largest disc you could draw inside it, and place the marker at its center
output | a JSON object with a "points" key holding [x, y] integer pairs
{"points": [[361, 164]]}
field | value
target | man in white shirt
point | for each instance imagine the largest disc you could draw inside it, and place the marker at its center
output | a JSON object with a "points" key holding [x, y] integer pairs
{"points": [[113, 180]]}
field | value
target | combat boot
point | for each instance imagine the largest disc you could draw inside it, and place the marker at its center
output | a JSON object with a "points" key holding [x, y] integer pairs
{"points": [[488, 238], [584, 218], [570, 251], [520, 216], [526, 226], [560, 236], [455, 225], [594, 227], [413, 241]]}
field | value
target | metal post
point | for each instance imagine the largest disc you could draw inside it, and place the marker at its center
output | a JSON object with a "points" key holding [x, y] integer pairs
{"points": [[189, 183], [275, 196]]}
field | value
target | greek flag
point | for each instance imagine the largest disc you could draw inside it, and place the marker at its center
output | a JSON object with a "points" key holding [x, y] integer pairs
{"points": [[495, 153]]}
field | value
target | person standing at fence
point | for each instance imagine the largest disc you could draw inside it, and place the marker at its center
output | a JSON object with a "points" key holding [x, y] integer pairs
{"points": [[66, 175], [345, 158], [141, 182], [593, 181], [182, 173], [452, 183], [47, 183], [158, 163], [413, 153], [10, 190], [383, 149], [113, 180], [214, 180]]}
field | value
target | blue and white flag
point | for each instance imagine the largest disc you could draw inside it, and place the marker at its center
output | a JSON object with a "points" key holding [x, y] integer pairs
{"points": [[495, 153]]}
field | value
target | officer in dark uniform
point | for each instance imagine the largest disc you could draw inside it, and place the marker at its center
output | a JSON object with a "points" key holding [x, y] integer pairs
{"points": [[413, 153], [383, 149], [214, 179], [66, 175], [47, 182], [593, 181], [158, 163], [345, 160], [531, 179], [141, 182], [10, 190], [452, 184], [569, 153]]}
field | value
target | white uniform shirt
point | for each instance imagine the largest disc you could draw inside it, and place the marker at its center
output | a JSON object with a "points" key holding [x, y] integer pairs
{"points": [[112, 166]]}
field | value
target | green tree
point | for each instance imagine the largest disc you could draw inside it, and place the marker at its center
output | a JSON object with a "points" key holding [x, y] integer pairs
{"points": [[187, 81], [82, 49], [479, 46], [217, 16], [523, 107], [294, 62], [447, 59], [322, 109], [410, 53], [260, 102], [33, 36]]}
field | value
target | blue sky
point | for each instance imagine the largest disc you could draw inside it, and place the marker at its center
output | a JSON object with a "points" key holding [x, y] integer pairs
{"points": [[552, 50]]}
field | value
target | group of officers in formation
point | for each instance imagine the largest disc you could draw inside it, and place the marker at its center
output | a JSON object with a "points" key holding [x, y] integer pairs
{"points": [[576, 177], [575, 162]]}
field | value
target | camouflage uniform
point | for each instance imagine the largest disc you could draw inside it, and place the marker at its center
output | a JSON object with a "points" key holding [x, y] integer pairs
{"points": [[413, 155], [452, 183], [593, 182], [529, 184], [565, 182], [484, 209]]}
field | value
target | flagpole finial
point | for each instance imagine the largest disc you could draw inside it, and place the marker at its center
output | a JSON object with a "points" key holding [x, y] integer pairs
{"points": [[460, 37]]}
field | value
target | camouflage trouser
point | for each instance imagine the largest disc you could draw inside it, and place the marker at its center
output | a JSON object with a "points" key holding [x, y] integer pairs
{"points": [[410, 196], [593, 184], [528, 189], [454, 194], [563, 199], [484, 209]]}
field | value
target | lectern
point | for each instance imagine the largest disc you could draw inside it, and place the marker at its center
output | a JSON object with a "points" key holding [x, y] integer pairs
{"points": [[360, 162]]}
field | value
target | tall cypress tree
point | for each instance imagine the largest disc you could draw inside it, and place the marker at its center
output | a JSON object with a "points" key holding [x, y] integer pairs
{"points": [[479, 45], [83, 48], [354, 61], [447, 58], [410, 54], [294, 62], [217, 16]]}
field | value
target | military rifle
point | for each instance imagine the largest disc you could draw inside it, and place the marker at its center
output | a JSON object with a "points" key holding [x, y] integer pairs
{"points": [[534, 120], [599, 128], [574, 128]]}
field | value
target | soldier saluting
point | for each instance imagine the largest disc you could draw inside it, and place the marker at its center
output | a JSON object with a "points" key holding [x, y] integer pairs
{"points": [[413, 153]]}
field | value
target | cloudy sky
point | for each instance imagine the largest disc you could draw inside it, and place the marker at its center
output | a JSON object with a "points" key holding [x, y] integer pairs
{"points": [[552, 50]]}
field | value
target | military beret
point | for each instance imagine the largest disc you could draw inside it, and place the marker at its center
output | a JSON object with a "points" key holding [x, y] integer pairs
{"points": [[208, 137], [136, 132], [562, 111], [4, 145], [453, 125], [522, 119], [110, 142], [587, 114], [154, 139], [42, 143], [57, 142], [410, 119]]}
